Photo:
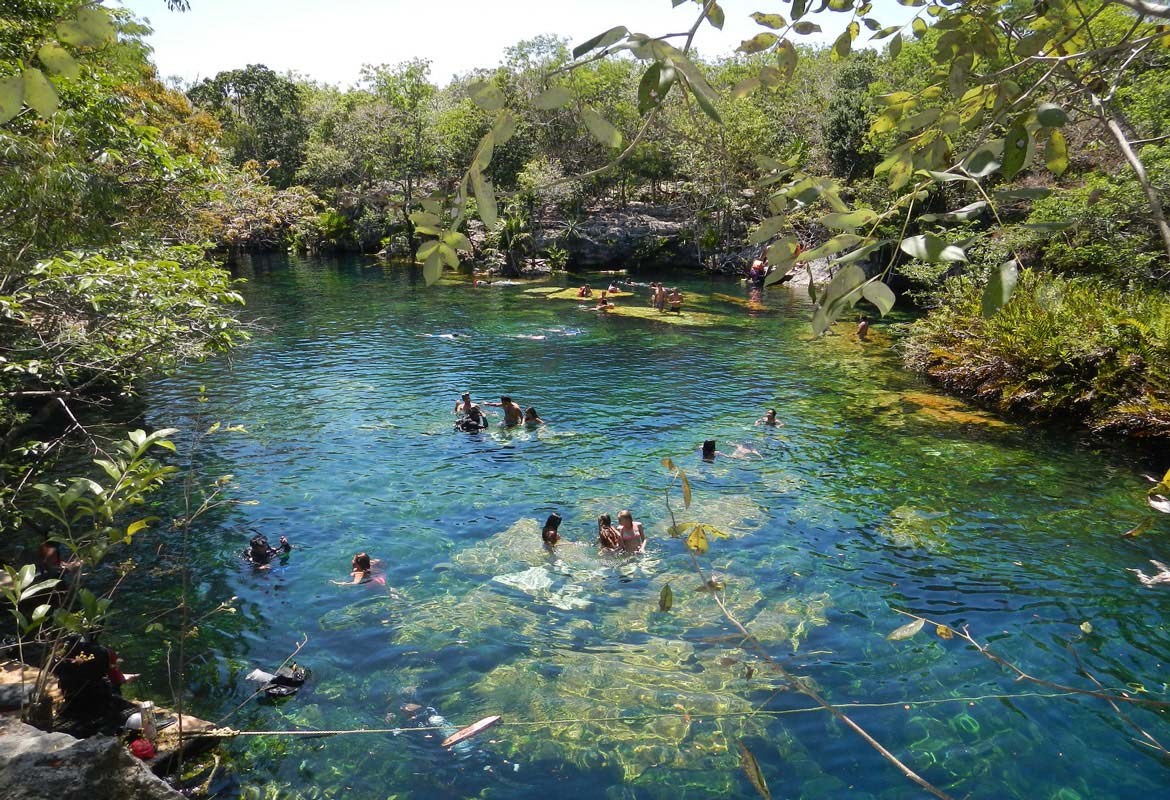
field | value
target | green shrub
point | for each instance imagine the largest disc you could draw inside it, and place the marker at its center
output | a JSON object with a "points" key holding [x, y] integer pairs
{"points": [[1068, 349]]}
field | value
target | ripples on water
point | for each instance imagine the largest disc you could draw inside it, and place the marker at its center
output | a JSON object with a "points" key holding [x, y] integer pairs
{"points": [[860, 504]]}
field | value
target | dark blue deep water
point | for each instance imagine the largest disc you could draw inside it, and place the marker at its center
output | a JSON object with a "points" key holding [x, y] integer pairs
{"points": [[876, 495]]}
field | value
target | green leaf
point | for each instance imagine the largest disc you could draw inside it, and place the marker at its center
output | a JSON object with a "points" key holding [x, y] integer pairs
{"points": [[1056, 153], [136, 526], [835, 245], [665, 598], [928, 247], [649, 88], [767, 229], [985, 160], [999, 287], [601, 129], [751, 768], [704, 95], [1015, 149], [907, 630], [485, 199], [861, 252], [715, 16], [36, 588], [967, 212], [1138, 529], [697, 541], [152, 627], [97, 23], [504, 127], [611, 36], [748, 85], [919, 27], [686, 489], [433, 267], [457, 240], [11, 96], [786, 59], [486, 95], [552, 98], [759, 42], [1051, 115], [895, 46], [805, 28], [1022, 193], [842, 46], [773, 21], [847, 221], [880, 295], [58, 62]]}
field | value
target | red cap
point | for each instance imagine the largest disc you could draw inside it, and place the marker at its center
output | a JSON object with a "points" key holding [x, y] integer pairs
{"points": [[143, 749]]}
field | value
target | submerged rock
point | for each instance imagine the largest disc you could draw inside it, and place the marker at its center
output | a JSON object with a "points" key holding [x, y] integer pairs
{"points": [[35, 765]]}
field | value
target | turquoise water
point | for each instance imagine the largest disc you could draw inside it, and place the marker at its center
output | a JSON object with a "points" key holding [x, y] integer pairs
{"points": [[874, 495]]}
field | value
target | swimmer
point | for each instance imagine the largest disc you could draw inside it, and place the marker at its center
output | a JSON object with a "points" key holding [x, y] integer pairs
{"points": [[549, 534], [531, 417], [260, 553], [464, 404], [863, 328], [709, 452], [769, 418], [513, 414], [631, 533], [473, 421], [607, 535], [363, 571]]}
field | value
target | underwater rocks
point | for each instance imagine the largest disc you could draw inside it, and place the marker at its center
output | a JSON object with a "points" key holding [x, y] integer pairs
{"points": [[35, 765]]}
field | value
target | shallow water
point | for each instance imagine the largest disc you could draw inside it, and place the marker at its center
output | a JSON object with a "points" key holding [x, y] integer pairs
{"points": [[874, 495]]}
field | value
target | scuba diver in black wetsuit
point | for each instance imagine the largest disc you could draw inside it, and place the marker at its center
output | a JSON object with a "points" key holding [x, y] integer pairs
{"points": [[472, 421], [260, 552]]}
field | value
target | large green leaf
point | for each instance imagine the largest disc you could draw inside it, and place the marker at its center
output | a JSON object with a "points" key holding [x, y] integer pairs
{"points": [[928, 247], [847, 221], [880, 295], [433, 267], [486, 95], [769, 228], [967, 212], [1056, 153], [1051, 115], [773, 21], [552, 98], [759, 42], [1015, 149], [786, 58], [835, 245], [842, 46], [91, 28], [485, 199], [999, 287], [804, 28], [601, 129], [57, 61], [985, 160], [650, 88], [697, 541], [611, 36], [504, 127], [704, 95], [11, 96], [665, 598], [716, 16]]}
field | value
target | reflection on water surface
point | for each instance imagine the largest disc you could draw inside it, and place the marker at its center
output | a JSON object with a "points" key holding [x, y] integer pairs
{"points": [[873, 495]]}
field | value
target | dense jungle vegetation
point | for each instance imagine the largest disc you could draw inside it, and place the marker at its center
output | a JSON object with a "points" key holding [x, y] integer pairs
{"points": [[988, 146]]}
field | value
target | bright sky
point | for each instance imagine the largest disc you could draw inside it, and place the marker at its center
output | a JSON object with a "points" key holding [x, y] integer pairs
{"points": [[329, 40]]}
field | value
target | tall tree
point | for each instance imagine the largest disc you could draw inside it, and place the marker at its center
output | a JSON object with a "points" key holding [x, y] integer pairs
{"points": [[263, 117]]}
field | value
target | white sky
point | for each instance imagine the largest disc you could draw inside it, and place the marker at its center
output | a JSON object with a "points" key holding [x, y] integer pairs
{"points": [[329, 40]]}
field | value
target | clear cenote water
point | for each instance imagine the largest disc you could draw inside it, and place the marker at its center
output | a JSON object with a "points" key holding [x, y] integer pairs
{"points": [[874, 495]]}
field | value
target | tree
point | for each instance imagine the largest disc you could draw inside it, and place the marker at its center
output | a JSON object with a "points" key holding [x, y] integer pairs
{"points": [[262, 115]]}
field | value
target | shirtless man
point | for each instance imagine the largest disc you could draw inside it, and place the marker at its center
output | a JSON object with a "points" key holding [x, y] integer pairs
{"points": [[513, 413], [464, 405]]}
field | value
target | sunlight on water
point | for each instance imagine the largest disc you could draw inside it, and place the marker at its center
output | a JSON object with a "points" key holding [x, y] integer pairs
{"points": [[874, 495]]}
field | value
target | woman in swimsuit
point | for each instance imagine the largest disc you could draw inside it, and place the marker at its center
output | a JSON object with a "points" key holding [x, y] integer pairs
{"points": [[633, 537], [363, 570], [607, 535]]}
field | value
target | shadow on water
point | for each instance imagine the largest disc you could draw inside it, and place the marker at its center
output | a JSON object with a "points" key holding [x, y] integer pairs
{"points": [[873, 495]]}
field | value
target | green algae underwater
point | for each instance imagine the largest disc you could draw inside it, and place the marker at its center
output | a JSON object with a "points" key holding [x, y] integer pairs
{"points": [[874, 495]]}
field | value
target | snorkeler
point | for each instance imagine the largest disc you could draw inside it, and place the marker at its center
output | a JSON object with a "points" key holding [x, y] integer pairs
{"points": [[709, 452]]}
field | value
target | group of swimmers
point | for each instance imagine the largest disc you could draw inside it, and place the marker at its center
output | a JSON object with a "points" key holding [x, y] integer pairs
{"points": [[629, 536], [472, 418]]}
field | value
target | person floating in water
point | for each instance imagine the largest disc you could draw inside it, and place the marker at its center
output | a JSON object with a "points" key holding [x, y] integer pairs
{"points": [[585, 291], [607, 535], [863, 328], [261, 553], [364, 570], [769, 418], [740, 451], [531, 417], [549, 534], [675, 300], [603, 303], [513, 414], [631, 534]]}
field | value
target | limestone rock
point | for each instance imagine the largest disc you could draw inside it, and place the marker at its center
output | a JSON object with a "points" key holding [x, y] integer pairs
{"points": [[35, 765]]}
